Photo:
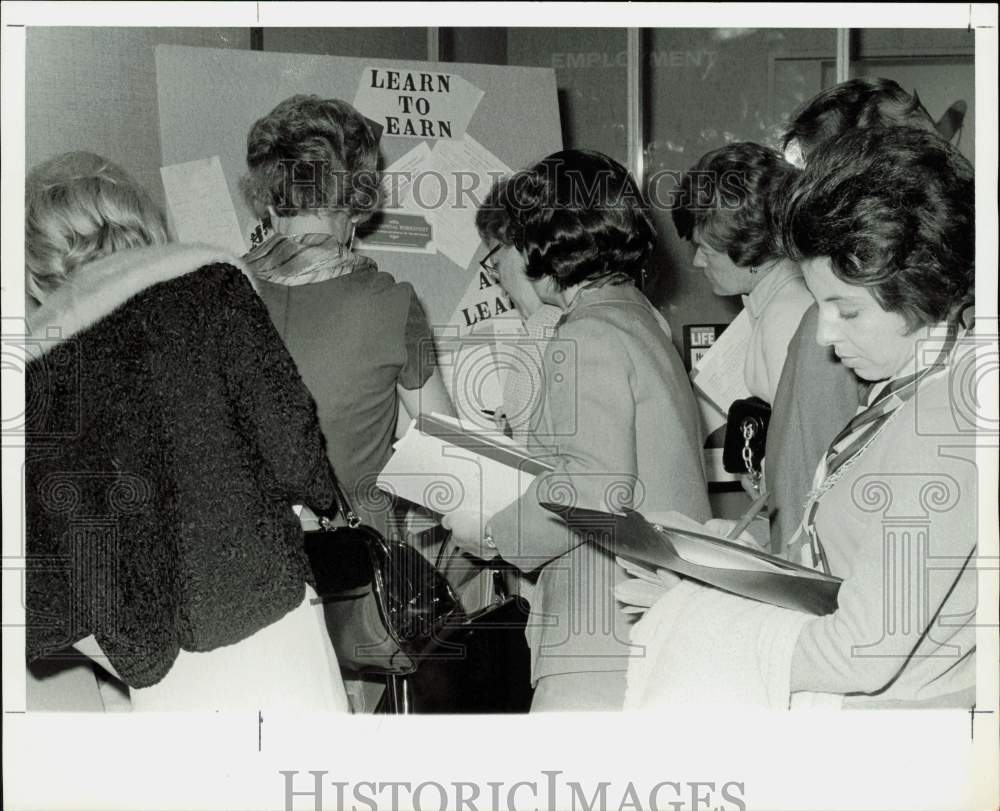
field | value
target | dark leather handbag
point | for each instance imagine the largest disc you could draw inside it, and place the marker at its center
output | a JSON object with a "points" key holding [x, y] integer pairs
{"points": [[746, 435], [384, 602], [479, 666]]}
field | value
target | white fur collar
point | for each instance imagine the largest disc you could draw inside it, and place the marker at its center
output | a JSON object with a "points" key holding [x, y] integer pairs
{"points": [[99, 288]]}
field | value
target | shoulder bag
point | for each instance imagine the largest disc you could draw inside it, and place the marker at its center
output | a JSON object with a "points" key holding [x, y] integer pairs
{"points": [[384, 602]]}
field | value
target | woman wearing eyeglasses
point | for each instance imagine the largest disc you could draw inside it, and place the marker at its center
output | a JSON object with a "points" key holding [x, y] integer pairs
{"points": [[359, 338], [617, 420], [523, 386]]}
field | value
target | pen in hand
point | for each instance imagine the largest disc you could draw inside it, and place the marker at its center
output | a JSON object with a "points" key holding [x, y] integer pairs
{"points": [[748, 516], [499, 419]]}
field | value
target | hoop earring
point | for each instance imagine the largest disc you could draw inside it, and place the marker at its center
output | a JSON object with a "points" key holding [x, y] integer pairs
{"points": [[753, 270]]}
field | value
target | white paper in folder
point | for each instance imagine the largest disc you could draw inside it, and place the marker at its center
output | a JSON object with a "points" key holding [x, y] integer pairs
{"points": [[719, 373], [445, 467], [200, 207]]}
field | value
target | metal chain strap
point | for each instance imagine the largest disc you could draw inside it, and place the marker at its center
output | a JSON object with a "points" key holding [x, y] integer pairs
{"points": [[749, 427]]}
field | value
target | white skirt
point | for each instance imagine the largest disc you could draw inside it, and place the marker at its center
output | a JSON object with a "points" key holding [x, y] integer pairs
{"points": [[288, 665]]}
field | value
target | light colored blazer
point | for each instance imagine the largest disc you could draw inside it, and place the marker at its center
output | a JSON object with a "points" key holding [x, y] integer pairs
{"points": [[900, 527], [619, 423]]}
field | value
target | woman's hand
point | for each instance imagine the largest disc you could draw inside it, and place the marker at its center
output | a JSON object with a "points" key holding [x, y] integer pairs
{"points": [[644, 587], [749, 485], [467, 528], [501, 422]]}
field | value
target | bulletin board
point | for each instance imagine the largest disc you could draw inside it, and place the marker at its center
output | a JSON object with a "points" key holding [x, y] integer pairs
{"points": [[476, 121], [209, 98]]}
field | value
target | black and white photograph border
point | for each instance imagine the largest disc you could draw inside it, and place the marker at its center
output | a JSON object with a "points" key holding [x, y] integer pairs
{"points": [[722, 759]]}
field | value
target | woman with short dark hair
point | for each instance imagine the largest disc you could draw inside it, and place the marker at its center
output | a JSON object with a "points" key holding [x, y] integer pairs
{"points": [[816, 395], [882, 222], [861, 103], [725, 207], [617, 419], [898, 222], [360, 339]]}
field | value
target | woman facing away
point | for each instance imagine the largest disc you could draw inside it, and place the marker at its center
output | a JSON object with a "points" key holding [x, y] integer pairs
{"points": [[617, 419], [169, 436], [725, 208], [882, 224], [360, 340]]}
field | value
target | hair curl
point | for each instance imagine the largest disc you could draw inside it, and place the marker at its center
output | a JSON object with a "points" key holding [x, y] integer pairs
{"points": [[578, 216], [855, 104], [310, 153], [729, 196], [79, 207], [894, 210]]}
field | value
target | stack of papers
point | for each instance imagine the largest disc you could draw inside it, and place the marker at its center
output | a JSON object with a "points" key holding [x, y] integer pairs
{"points": [[718, 375], [199, 205], [447, 467]]}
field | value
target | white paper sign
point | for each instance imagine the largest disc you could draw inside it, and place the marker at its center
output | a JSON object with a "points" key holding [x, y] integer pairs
{"points": [[468, 356], [461, 174], [400, 226], [399, 175], [416, 103], [201, 209]]}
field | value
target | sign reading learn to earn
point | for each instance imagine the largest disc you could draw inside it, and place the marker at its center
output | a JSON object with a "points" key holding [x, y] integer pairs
{"points": [[417, 104]]}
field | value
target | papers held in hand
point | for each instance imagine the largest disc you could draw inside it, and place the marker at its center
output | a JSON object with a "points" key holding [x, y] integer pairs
{"points": [[683, 546], [445, 466]]}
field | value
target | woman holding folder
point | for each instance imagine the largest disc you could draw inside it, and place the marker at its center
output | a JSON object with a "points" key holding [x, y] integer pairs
{"points": [[882, 224], [617, 419]]}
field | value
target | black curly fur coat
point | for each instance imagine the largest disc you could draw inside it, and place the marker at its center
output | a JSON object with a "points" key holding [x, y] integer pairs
{"points": [[166, 442]]}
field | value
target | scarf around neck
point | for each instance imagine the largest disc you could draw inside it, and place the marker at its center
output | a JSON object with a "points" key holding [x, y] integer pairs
{"points": [[299, 259], [862, 431]]}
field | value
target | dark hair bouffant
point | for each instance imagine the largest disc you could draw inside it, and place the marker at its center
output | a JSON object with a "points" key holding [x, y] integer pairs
{"points": [[855, 104], [577, 216], [894, 210], [729, 195], [312, 153]]}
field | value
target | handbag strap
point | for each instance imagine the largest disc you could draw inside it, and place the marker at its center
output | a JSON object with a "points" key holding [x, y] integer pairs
{"points": [[343, 508]]}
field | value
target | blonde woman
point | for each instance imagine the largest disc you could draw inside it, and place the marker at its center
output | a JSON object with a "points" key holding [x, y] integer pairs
{"points": [[168, 437]]}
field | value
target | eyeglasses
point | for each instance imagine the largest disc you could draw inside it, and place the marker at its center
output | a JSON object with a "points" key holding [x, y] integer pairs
{"points": [[492, 270]]}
